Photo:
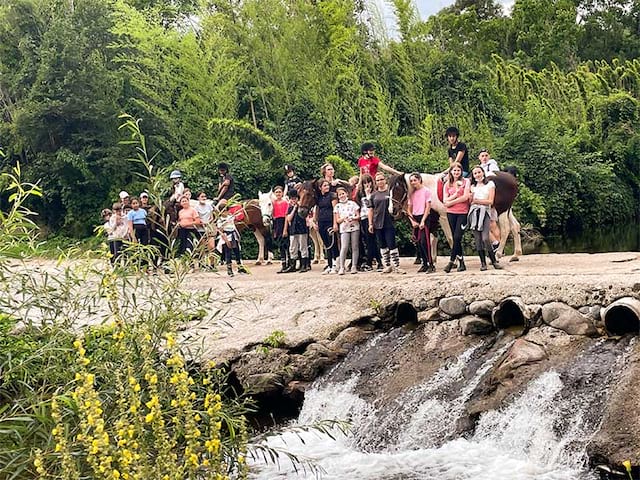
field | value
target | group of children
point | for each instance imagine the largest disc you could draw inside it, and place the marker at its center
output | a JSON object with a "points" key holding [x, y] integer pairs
{"points": [[354, 216], [204, 228]]}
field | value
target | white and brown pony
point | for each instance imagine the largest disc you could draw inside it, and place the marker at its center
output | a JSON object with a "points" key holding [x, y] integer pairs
{"points": [[506, 192]]}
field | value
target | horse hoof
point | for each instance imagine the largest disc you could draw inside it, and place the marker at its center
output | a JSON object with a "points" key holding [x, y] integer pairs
{"points": [[258, 263], [269, 262], [514, 259], [316, 261]]}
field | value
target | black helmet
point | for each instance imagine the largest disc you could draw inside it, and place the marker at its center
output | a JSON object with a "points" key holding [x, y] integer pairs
{"points": [[367, 146], [452, 131], [289, 168], [223, 166]]}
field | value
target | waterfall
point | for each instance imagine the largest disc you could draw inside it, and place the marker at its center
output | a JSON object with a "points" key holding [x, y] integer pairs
{"points": [[538, 434]]}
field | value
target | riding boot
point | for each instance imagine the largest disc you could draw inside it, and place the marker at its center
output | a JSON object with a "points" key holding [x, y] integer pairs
{"points": [[483, 260], [461, 266], [284, 267], [449, 266], [305, 265], [229, 270], [292, 266], [494, 260]]}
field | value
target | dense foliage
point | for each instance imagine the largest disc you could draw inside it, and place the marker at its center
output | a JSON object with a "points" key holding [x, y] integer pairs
{"points": [[552, 88]]}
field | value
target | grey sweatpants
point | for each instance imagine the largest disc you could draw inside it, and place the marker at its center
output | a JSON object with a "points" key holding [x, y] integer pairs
{"points": [[349, 239], [299, 242]]}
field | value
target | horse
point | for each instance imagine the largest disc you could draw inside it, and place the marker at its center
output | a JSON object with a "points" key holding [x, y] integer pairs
{"points": [[506, 192], [249, 217]]}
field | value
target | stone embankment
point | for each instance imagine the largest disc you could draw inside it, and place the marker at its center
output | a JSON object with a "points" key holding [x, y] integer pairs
{"points": [[556, 307]]}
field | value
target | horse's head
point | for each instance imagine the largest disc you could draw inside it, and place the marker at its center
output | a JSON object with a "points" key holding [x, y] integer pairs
{"points": [[399, 193], [265, 201], [307, 197]]}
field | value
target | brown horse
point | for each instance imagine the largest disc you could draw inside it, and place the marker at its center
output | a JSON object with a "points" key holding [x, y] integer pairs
{"points": [[249, 217], [506, 192]]}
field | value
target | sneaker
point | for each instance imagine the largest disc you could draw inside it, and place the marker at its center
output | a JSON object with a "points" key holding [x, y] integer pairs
{"points": [[379, 268], [334, 270], [388, 269], [399, 270], [423, 269], [242, 269], [354, 271], [431, 269], [341, 271], [367, 268], [327, 270]]}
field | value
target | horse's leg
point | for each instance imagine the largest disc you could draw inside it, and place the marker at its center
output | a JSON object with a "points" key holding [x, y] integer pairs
{"points": [[503, 223], [260, 238], [517, 241], [318, 247]]}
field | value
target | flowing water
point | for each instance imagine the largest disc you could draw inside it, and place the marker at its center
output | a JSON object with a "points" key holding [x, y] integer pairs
{"points": [[541, 433]]}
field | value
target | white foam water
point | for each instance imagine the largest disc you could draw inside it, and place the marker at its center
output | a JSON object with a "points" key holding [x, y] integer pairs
{"points": [[518, 442]]}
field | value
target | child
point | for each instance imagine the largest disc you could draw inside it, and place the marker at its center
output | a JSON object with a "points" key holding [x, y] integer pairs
{"points": [[280, 234], [298, 236], [419, 207], [137, 218], [347, 215], [177, 187], [230, 240], [117, 231]]}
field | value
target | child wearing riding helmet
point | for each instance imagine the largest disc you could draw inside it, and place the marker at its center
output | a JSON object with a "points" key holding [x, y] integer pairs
{"points": [[368, 238], [177, 187], [347, 216], [298, 235]]}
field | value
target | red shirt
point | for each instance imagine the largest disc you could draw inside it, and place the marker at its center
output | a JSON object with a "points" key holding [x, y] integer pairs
{"points": [[280, 208], [369, 165]]}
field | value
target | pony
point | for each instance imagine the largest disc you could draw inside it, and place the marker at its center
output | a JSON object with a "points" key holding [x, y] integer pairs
{"points": [[506, 192], [248, 216]]}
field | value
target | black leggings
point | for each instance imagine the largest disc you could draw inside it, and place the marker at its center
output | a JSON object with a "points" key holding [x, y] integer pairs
{"points": [[185, 236], [423, 241], [370, 242], [456, 220], [386, 237], [329, 240]]}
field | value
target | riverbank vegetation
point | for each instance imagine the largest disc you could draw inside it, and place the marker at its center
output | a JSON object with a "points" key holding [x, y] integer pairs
{"points": [[553, 88]]}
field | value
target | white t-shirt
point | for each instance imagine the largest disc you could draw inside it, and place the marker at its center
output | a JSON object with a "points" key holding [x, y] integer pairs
{"points": [[348, 211], [204, 212], [481, 191]]}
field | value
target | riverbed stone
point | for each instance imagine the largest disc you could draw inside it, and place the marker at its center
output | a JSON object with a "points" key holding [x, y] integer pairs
{"points": [[482, 308], [454, 306], [563, 317], [431, 315], [475, 325], [348, 338], [523, 352]]}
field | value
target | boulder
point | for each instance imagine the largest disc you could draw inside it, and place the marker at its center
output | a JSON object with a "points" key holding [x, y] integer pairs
{"points": [[474, 325], [454, 306], [348, 338], [522, 352], [482, 308], [431, 315], [563, 317]]}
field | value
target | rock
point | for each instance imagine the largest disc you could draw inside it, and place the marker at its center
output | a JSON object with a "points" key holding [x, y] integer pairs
{"points": [[348, 338], [474, 325], [523, 352], [263, 383], [482, 308], [454, 306], [431, 315], [565, 318]]}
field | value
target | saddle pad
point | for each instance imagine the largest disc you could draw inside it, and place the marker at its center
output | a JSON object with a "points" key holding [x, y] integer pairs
{"points": [[440, 188], [238, 212]]}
